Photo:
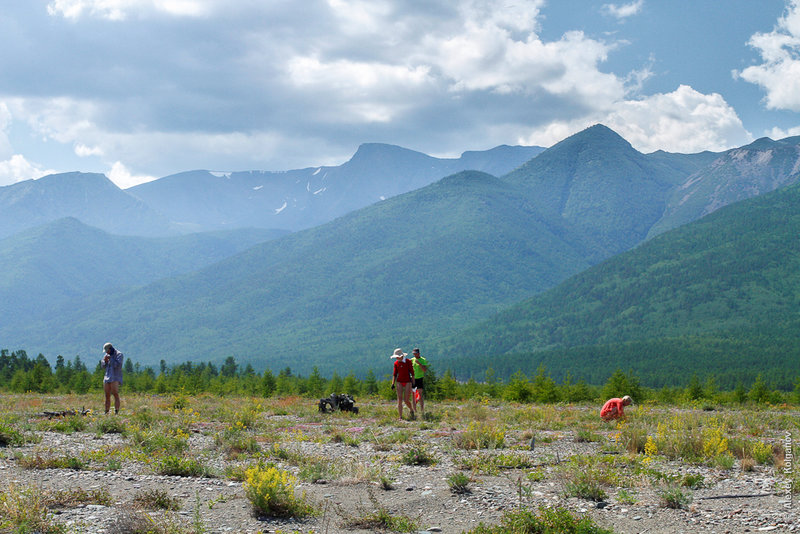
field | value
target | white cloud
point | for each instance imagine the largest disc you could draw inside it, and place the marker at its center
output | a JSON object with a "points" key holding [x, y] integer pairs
{"points": [[684, 121], [779, 72], [17, 168], [484, 46], [268, 85], [623, 11], [5, 122], [780, 133], [86, 151], [119, 10], [120, 175], [369, 92]]}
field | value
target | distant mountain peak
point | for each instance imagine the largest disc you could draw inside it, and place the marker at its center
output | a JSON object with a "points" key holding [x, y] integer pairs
{"points": [[75, 177], [598, 136], [372, 150]]}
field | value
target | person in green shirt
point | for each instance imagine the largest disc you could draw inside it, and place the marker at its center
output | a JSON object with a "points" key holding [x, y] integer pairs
{"points": [[420, 367]]}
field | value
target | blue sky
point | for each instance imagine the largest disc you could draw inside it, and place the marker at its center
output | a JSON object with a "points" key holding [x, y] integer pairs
{"points": [[140, 89]]}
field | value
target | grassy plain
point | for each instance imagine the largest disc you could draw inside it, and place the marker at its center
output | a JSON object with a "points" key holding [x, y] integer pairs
{"points": [[277, 464]]}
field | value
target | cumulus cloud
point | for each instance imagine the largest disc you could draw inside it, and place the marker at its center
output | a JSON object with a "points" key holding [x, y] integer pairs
{"points": [[623, 11], [5, 122], [17, 168], [151, 87], [122, 176], [121, 9], [780, 133], [779, 72], [684, 121]]}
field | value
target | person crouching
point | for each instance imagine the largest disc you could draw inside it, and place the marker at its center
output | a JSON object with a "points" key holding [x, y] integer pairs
{"points": [[613, 408]]}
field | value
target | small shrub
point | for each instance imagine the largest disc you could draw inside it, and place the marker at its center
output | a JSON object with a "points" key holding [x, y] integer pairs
{"points": [[480, 436], [632, 436], [692, 481], [159, 440], [76, 496], [234, 472], [109, 425], [318, 469], [271, 492], [418, 455], [747, 464], [386, 482], [156, 500], [626, 497], [537, 475], [51, 462], [586, 436], [181, 466], [459, 483], [180, 402], [25, 510], [714, 441], [379, 519], [585, 487], [724, 461], [585, 477], [66, 425], [139, 522], [10, 436], [553, 520], [762, 452], [235, 441], [675, 497]]}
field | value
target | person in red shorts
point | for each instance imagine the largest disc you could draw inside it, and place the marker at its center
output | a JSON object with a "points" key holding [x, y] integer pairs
{"points": [[402, 377], [613, 408]]}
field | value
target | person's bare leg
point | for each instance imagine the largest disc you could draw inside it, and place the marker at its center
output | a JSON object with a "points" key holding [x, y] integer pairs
{"points": [[399, 389], [115, 392], [407, 394]]}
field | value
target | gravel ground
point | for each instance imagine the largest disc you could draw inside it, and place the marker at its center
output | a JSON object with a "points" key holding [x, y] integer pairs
{"points": [[421, 493]]}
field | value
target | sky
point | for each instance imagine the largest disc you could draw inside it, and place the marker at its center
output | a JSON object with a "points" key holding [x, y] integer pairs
{"points": [[141, 89]]}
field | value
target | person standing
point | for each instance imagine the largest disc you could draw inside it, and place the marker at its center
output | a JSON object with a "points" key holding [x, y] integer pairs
{"points": [[402, 376], [112, 380], [420, 365], [613, 408]]}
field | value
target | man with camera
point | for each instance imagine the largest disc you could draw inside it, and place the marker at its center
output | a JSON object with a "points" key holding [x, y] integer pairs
{"points": [[112, 380]]}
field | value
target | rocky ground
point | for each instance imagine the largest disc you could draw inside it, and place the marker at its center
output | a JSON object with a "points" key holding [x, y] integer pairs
{"points": [[730, 500]]}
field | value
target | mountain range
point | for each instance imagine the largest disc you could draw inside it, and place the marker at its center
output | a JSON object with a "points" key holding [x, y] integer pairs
{"points": [[417, 268], [716, 296], [49, 265]]}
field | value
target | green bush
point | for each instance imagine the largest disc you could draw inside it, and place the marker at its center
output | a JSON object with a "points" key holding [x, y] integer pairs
{"points": [[10, 436], [156, 500], [459, 482], [418, 454], [675, 497], [546, 521], [181, 466]]}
